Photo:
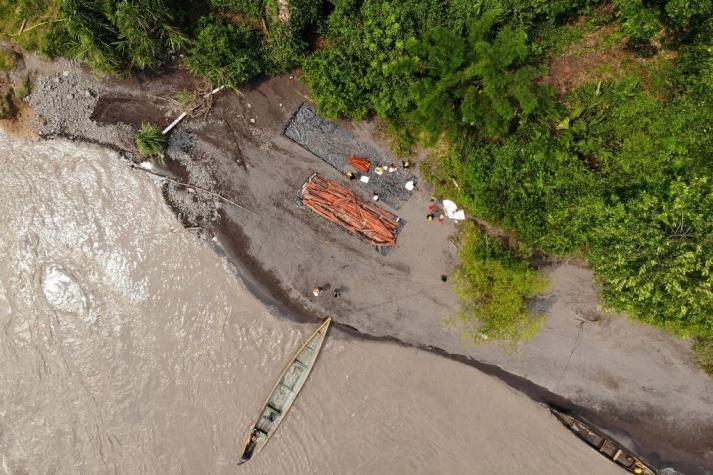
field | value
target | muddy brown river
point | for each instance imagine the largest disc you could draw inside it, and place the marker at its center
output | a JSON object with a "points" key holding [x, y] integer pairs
{"points": [[128, 346]]}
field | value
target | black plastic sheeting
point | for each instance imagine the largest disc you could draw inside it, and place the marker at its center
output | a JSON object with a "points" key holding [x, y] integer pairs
{"points": [[334, 145]]}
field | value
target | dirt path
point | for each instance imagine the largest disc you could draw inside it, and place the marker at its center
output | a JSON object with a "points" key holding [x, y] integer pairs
{"points": [[636, 381]]}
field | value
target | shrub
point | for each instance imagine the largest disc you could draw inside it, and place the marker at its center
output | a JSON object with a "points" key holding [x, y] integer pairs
{"points": [[112, 35], [282, 49], [331, 76], [150, 141], [349, 77], [224, 53], [478, 80], [527, 184], [252, 8], [495, 285], [639, 22], [642, 19]]}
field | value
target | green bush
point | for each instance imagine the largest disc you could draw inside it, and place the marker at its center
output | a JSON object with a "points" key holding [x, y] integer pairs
{"points": [[496, 286], [150, 141], [641, 19], [527, 184], [331, 75], [349, 78], [251, 8], [286, 42], [639, 22], [122, 34], [282, 49], [654, 256], [478, 80], [224, 53]]}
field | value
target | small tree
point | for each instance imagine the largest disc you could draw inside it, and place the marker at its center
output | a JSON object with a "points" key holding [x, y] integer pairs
{"points": [[226, 54], [496, 286], [479, 80], [150, 141]]}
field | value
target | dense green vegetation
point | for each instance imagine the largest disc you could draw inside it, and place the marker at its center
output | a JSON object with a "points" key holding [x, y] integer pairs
{"points": [[225, 53], [124, 35], [615, 169], [642, 20], [478, 80]]}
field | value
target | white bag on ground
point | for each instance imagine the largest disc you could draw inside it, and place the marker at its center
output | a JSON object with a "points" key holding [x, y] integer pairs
{"points": [[452, 211]]}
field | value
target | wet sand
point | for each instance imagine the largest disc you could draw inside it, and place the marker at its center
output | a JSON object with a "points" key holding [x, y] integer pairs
{"points": [[127, 345]]}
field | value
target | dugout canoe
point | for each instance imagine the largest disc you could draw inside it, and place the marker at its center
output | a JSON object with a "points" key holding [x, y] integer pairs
{"points": [[284, 393], [604, 445]]}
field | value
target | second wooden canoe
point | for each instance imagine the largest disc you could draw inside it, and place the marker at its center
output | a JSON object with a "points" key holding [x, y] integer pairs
{"points": [[605, 445]]}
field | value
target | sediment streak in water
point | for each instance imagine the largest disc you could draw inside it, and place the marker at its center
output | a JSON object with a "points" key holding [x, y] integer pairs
{"points": [[127, 346]]}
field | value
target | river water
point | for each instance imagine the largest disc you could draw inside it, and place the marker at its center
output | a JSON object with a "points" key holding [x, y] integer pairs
{"points": [[128, 346]]}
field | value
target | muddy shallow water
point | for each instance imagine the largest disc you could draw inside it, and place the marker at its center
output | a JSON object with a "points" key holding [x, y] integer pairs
{"points": [[128, 346]]}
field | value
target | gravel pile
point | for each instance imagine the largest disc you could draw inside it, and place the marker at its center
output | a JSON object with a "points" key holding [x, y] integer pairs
{"points": [[335, 145], [195, 207], [63, 105], [182, 148]]}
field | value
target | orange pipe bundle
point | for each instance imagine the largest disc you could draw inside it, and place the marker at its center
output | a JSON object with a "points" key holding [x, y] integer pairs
{"points": [[341, 206], [361, 164]]}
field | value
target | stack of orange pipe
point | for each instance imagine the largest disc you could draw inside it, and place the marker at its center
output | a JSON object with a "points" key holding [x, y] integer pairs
{"points": [[361, 164], [341, 206]]}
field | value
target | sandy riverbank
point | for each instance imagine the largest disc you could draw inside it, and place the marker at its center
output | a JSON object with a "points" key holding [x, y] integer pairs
{"points": [[129, 346], [636, 381]]}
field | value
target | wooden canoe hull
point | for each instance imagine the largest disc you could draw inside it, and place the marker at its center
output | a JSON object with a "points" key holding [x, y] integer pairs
{"points": [[284, 393], [604, 445]]}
